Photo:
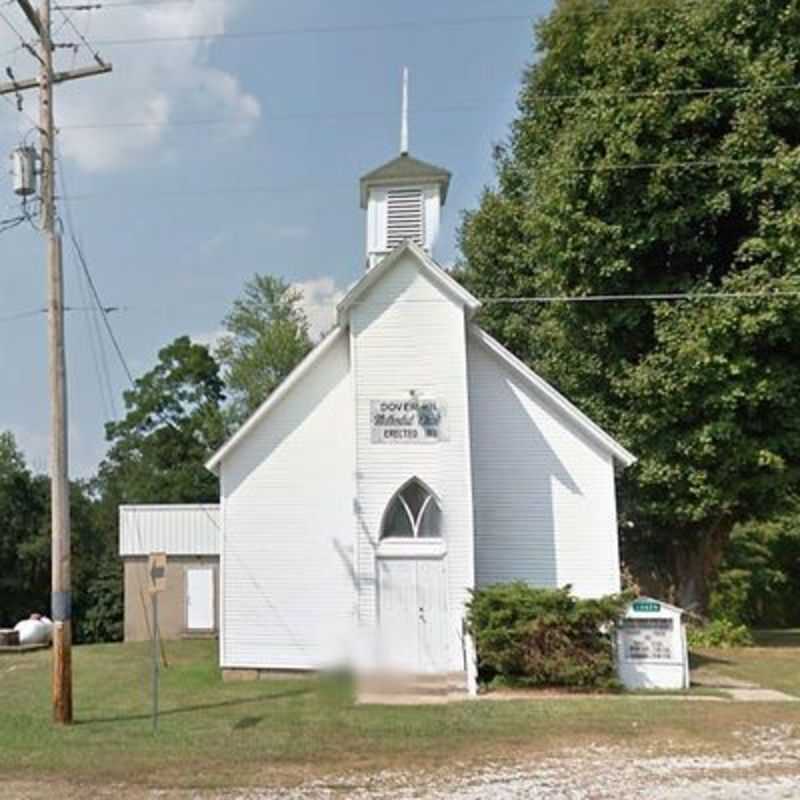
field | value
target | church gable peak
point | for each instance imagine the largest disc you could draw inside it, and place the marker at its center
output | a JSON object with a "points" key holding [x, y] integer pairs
{"points": [[427, 267]]}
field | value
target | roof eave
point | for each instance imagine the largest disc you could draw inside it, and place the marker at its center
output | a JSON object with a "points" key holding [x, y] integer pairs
{"points": [[213, 463], [367, 183]]}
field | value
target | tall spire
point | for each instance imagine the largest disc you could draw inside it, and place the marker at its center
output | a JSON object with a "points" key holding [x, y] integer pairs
{"points": [[404, 123]]}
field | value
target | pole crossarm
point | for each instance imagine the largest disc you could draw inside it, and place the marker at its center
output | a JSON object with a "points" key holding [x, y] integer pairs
{"points": [[32, 16], [12, 87]]}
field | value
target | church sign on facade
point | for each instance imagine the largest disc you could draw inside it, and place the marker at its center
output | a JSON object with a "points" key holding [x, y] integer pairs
{"points": [[407, 421]]}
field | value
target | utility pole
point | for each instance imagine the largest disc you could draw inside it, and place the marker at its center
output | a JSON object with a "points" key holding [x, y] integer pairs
{"points": [[59, 464]]}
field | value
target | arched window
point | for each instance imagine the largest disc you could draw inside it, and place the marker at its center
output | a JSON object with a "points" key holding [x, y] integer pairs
{"points": [[413, 513]]}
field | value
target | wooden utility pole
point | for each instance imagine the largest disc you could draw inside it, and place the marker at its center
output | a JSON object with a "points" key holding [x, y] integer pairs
{"points": [[59, 463]]}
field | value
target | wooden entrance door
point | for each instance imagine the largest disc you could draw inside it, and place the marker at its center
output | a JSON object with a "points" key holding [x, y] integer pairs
{"points": [[412, 614]]}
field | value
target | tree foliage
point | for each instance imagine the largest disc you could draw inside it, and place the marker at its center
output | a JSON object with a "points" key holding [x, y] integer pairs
{"points": [[25, 542], [173, 424], [267, 335], [759, 580], [622, 175]]}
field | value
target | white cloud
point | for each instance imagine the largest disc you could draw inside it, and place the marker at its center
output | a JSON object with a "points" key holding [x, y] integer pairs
{"points": [[153, 82], [320, 297], [209, 338]]}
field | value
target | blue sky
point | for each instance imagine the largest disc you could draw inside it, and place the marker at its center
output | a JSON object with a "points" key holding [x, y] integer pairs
{"points": [[174, 217]]}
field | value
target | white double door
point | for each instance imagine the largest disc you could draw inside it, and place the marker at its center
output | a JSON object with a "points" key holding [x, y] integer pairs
{"points": [[412, 614]]}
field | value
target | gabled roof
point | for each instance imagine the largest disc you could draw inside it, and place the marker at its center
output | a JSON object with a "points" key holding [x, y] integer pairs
{"points": [[403, 171], [294, 377], [430, 268], [541, 386]]}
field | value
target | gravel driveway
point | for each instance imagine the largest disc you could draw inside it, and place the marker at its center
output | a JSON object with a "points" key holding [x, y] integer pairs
{"points": [[767, 768]]}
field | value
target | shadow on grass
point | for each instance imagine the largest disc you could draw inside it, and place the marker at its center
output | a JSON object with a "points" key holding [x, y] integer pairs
{"points": [[199, 707], [245, 723], [789, 637], [703, 659]]}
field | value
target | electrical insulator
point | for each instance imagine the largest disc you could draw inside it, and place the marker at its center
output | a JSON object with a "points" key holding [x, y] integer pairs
{"points": [[23, 161]]}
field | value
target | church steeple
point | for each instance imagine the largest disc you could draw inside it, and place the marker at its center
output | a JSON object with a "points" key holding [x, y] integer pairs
{"points": [[403, 198]]}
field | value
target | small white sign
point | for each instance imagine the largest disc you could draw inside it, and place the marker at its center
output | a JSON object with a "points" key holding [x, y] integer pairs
{"points": [[410, 421], [647, 639]]}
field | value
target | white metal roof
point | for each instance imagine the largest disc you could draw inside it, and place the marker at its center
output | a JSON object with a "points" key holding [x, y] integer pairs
{"points": [[177, 530]]}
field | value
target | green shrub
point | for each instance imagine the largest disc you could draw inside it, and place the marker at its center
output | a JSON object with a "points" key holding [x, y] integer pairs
{"points": [[544, 637], [720, 633]]}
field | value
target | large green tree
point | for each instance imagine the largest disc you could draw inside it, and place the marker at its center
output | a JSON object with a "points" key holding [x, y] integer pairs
{"points": [[173, 423], [267, 334], [656, 150]]}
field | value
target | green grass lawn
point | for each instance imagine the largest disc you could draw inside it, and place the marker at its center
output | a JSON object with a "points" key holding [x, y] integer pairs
{"points": [[280, 731], [773, 663]]}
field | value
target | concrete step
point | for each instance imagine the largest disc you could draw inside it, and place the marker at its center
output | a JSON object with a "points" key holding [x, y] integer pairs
{"points": [[408, 688]]}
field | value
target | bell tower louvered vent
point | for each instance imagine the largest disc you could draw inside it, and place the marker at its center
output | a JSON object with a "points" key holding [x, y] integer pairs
{"points": [[403, 199], [405, 217]]}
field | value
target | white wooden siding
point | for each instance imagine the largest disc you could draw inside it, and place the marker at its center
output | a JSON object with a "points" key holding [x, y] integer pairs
{"points": [[407, 334], [288, 586], [545, 509], [177, 530]]}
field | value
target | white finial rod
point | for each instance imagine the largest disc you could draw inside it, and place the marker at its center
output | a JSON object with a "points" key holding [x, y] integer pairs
{"points": [[404, 125]]}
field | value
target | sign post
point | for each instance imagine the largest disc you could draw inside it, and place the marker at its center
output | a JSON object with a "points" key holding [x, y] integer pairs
{"points": [[157, 577]]}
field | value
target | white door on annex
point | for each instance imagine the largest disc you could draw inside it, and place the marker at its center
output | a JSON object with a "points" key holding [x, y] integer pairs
{"points": [[200, 599]]}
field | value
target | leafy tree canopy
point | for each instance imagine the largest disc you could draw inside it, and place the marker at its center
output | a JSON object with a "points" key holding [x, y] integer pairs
{"points": [[173, 423], [267, 334], [622, 175], [25, 540]]}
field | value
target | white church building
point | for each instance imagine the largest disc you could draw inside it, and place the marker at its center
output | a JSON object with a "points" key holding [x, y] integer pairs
{"points": [[407, 460]]}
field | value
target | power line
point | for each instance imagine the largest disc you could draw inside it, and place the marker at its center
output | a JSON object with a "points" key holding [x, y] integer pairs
{"points": [[13, 222], [23, 41], [95, 55], [92, 6], [199, 192], [181, 123], [697, 91], [111, 335], [34, 312], [466, 108], [318, 30], [658, 165], [662, 297]]}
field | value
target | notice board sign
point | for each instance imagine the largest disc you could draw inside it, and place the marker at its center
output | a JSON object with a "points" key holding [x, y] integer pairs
{"points": [[651, 649], [648, 639], [410, 421]]}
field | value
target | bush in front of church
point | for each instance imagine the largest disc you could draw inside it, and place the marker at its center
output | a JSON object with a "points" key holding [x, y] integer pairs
{"points": [[532, 637]]}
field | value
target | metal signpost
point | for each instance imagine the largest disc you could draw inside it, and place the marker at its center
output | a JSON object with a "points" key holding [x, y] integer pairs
{"points": [[157, 576]]}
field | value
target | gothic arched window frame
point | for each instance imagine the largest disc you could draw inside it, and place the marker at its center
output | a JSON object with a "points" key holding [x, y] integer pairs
{"points": [[404, 508]]}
